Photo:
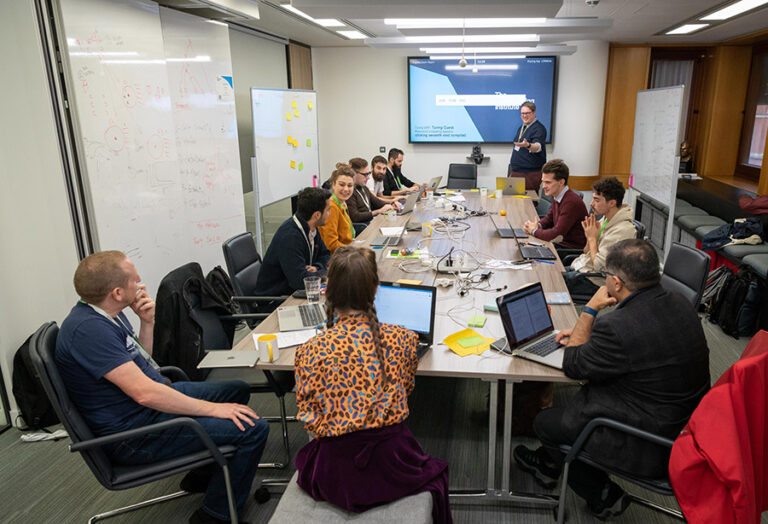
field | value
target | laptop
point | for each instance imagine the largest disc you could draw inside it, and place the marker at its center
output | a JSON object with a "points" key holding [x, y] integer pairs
{"points": [[303, 316], [383, 240], [534, 252], [508, 232], [429, 186], [514, 185], [528, 326], [409, 306], [410, 202], [232, 358]]}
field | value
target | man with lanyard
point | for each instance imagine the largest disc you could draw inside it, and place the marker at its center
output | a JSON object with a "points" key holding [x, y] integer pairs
{"points": [[376, 182], [582, 277], [113, 382], [529, 153], [296, 250], [395, 182], [363, 205]]}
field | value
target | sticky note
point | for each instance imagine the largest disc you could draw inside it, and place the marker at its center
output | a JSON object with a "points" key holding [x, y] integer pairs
{"points": [[407, 281], [293, 104], [301, 166], [295, 143], [293, 164], [309, 142], [468, 342], [290, 139], [309, 105], [477, 321], [288, 116], [295, 112]]}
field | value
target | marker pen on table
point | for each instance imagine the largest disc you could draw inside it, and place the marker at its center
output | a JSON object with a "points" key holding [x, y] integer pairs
{"points": [[544, 261]]}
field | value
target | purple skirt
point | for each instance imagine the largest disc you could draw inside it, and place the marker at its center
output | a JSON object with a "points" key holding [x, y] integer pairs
{"points": [[368, 468]]}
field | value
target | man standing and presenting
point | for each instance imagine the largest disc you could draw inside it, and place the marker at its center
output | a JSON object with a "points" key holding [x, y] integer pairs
{"points": [[110, 376], [395, 182], [529, 153], [616, 224], [296, 250], [562, 225], [647, 365]]}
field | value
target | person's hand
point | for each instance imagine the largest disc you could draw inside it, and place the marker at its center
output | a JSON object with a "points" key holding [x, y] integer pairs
{"points": [[524, 143], [601, 299], [564, 333], [397, 205], [144, 306], [591, 227], [311, 269], [529, 226], [237, 413], [414, 187], [385, 208]]}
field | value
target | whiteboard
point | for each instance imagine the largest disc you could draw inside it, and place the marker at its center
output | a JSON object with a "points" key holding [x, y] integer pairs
{"points": [[655, 159], [286, 152], [157, 132]]}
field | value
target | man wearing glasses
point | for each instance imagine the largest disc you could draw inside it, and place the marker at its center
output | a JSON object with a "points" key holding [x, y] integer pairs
{"points": [[646, 364], [363, 205], [529, 153]]}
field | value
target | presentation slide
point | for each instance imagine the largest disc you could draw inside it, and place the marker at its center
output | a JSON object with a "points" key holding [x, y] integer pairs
{"points": [[477, 103]]}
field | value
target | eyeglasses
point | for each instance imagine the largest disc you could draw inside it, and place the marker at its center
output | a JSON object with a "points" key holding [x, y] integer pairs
{"points": [[526, 113], [605, 273], [367, 173]]}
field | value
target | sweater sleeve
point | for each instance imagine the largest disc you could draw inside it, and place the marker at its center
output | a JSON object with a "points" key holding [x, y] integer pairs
{"points": [[376, 202], [548, 220], [571, 215], [330, 231], [357, 209]]}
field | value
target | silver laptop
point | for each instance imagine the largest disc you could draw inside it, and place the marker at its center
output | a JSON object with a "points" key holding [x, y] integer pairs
{"points": [[303, 316], [528, 326], [232, 358], [410, 202], [383, 240], [433, 184], [511, 185]]}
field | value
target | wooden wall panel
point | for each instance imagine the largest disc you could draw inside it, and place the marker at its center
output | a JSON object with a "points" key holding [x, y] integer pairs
{"points": [[628, 70], [724, 98], [299, 66]]}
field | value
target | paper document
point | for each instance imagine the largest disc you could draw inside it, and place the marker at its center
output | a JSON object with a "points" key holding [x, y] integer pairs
{"points": [[391, 231], [289, 338], [457, 198]]}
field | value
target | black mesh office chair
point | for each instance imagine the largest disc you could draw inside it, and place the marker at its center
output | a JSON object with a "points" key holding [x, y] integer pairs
{"points": [[462, 176], [685, 272], [661, 486], [110, 475]]}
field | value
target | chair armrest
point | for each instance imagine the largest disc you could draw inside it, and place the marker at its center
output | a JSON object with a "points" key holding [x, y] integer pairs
{"points": [[131, 433], [259, 299], [613, 424], [244, 316], [175, 374]]}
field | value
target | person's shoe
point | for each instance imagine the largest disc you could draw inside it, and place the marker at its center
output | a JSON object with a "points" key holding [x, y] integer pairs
{"points": [[202, 517], [614, 502], [196, 481], [537, 463]]}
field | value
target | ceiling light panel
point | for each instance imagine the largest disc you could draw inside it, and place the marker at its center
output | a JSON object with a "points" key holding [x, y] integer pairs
{"points": [[352, 35], [734, 9], [686, 29], [458, 23], [470, 39]]}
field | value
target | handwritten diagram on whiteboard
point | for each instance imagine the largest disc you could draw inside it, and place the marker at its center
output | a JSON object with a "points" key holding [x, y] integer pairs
{"points": [[285, 140]]}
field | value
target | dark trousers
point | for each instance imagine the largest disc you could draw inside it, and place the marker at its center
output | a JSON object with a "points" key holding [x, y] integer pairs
{"points": [[579, 284], [172, 443], [532, 179], [585, 480]]}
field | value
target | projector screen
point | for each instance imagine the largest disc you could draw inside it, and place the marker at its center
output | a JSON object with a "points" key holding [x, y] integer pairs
{"points": [[479, 103]]}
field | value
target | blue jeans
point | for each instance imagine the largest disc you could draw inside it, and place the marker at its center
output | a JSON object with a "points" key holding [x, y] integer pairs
{"points": [[171, 443]]}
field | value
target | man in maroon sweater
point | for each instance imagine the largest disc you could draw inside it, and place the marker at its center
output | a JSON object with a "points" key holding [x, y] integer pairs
{"points": [[562, 225]]}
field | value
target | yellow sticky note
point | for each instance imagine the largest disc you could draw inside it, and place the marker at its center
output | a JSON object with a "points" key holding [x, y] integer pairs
{"points": [[288, 116], [295, 143], [296, 112], [474, 190], [521, 196], [407, 281], [301, 166], [309, 105], [293, 164], [454, 342], [309, 142], [293, 104], [290, 140]]}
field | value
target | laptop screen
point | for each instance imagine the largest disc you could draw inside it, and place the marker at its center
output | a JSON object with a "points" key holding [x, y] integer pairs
{"points": [[409, 306], [524, 314]]}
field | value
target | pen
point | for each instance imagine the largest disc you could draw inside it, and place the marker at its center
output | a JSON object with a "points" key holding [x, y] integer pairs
{"points": [[544, 261]]}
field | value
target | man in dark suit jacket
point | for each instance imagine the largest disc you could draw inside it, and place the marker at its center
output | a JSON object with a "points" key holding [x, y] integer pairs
{"points": [[395, 182], [562, 225], [647, 364], [529, 154]]}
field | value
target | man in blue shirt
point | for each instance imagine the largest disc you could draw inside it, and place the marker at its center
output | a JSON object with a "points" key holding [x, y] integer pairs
{"points": [[529, 153], [111, 378]]}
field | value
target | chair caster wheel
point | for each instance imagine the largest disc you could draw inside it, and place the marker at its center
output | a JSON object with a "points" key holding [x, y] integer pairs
{"points": [[261, 495]]}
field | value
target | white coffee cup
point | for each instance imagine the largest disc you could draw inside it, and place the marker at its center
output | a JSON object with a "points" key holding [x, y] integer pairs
{"points": [[499, 193], [483, 192], [268, 350]]}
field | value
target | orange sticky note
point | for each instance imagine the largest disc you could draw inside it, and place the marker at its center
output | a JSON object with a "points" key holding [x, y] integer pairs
{"points": [[288, 116], [293, 164], [293, 104]]}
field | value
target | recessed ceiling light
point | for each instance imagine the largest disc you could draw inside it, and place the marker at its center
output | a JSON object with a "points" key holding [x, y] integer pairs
{"points": [[325, 22], [734, 9], [329, 22], [452, 23], [352, 35], [478, 57], [686, 29], [457, 39]]}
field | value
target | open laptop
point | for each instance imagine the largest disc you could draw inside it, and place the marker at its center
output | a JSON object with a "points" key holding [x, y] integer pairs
{"points": [[514, 185], [508, 232], [409, 306], [433, 184], [410, 202], [383, 240], [534, 252], [303, 316], [528, 326]]}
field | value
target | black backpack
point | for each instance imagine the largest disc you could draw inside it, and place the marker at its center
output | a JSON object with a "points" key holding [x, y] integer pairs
{"points": [[221, 285], [36, 409], [726, 309]]}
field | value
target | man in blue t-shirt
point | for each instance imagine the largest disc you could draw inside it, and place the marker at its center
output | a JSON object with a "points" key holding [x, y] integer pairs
{"points": [[111, 378]]}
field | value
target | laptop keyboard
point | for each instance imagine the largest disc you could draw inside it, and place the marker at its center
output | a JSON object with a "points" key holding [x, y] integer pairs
{"points": [[311, 314], [543, 347]]}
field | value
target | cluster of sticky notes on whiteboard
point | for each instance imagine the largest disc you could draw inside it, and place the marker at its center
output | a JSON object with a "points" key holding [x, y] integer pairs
{"points": [[290, 140]]}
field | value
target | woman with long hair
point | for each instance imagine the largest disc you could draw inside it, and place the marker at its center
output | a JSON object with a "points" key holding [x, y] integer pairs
{"points": [[338, 229], [352, 386]]}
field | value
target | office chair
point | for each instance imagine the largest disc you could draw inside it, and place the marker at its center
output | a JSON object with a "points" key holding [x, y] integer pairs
{"points": [[640, 229], [685, 272], [110, 475], [576, 451], [462, 176]]}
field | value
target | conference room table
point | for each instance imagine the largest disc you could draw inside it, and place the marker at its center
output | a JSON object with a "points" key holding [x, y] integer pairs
{"points": [[480, 244]]}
